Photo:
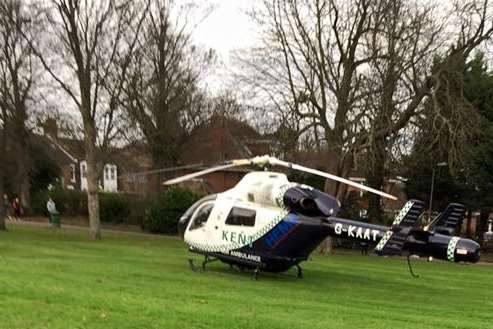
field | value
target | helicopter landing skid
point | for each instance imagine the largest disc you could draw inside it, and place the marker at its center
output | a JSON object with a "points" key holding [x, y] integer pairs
{"points": [[299, 275], [206, 261]]}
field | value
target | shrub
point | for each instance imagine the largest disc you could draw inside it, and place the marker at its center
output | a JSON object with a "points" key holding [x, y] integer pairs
{"points": [[167, 208], [113, 207]]}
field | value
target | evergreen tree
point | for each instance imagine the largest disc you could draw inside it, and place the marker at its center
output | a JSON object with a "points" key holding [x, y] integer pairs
{"points": [[461, 135]]}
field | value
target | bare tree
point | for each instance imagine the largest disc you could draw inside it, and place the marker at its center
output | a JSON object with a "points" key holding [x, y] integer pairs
{"points": [[310, 66], [162, 95], [18, 73], [84, 44], [353, 71]]}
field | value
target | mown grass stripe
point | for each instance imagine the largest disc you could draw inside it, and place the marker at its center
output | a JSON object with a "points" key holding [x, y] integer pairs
{"points": [[53, 279]]}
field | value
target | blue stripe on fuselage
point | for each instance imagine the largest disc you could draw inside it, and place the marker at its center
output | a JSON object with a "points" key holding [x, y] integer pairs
{"points": [[281, 230]]}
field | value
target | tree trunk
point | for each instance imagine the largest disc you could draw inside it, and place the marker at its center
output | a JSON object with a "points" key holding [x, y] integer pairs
{"points": [[92, 192], [3, 211], [469, 233], [375, 177], [332, 187], [326, 247], [23, 180], [158, 162], [90, 135], [375, 211], [482, 224], [22, 176], [3, 150]]}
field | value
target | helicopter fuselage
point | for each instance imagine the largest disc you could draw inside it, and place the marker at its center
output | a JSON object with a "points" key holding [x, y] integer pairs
{"points": [[296, 237], [270, 224]]}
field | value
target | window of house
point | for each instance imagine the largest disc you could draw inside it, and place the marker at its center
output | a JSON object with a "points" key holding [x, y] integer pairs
{"points": [[241, 217], [83, 170], [72, 173], [113, 172]]}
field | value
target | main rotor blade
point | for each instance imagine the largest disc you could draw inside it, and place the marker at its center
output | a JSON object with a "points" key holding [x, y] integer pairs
{"points": [[197, 174], [230, 164], [330, 176]]}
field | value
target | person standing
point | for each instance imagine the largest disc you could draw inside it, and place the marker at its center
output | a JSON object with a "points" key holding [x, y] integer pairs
{"points": [[6, 205], [17, 209], [53, 212]]}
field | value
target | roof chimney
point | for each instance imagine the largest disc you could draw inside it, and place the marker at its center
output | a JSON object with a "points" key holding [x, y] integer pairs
{"points": [[50, 128]]}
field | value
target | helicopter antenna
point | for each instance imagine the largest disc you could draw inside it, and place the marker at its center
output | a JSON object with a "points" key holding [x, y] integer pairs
{"points": [[268, 160]]}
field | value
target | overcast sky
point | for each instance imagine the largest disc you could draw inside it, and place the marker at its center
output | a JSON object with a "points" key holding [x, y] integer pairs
{"points": [[226, 29]]}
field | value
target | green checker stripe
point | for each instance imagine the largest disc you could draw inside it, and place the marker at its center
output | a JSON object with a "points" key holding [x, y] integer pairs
{"points": [[403, 213], [398, 219], [451, 248], [384, 240]]}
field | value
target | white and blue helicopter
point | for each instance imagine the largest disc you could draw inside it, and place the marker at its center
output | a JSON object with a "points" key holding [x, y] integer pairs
{"points": [[267, 223]]}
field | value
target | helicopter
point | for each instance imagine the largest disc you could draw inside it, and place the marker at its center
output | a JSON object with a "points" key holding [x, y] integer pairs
{"points": [[267, 223]]}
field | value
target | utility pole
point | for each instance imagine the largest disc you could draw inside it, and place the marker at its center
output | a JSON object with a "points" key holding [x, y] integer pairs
{"points": [[441, 164]]}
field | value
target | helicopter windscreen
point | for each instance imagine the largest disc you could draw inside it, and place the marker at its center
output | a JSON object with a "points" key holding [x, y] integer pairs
{"points": [[201, 215], [185, 218]]}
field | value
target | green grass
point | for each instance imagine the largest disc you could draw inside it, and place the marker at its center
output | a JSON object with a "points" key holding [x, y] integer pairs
{"points": [[61, 279]]}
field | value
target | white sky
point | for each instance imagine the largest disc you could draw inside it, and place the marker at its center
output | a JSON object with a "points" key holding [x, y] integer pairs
{"points": [[226, 29]]}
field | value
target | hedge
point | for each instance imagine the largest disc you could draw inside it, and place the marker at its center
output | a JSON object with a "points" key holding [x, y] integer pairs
{"points": [[114, 207], [159, 215]]}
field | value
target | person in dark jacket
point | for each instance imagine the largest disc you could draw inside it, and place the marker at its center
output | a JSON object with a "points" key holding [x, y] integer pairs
{"points": [[17, 209]]}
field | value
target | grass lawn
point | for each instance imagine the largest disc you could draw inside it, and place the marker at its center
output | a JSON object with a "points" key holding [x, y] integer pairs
{"points": [[61, 279]]}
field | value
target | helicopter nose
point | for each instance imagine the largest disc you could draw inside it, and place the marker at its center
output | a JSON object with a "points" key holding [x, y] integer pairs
{"points": [[467, 251], [182, 225]]}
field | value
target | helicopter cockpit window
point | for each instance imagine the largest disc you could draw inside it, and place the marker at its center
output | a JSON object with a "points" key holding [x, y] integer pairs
{"points": [[201, 215], [241, 217]]}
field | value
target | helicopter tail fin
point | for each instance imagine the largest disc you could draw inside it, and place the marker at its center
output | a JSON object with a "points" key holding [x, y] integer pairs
{"points": [[449, 219], [394, 239]]}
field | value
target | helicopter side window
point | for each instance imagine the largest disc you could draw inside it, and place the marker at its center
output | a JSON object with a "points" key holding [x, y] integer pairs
{"points": [[241, 217], [201, 215]]}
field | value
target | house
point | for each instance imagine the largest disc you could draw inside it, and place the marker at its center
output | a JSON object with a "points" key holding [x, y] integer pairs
{"points": [[74, 167], [223, 138], [219, 139], [45, 156], [135, 173]]}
